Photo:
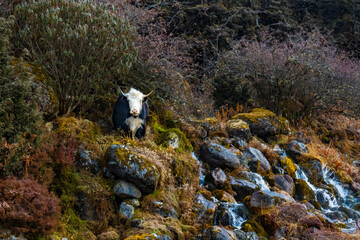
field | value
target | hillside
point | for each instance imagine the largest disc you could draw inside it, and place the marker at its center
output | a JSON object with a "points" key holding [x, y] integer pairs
{"points": [[246, 126]]}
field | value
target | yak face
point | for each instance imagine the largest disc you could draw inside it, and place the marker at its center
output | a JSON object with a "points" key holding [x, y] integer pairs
{"points": [[135, 99]]}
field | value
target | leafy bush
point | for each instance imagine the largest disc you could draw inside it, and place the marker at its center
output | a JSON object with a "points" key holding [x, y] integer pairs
{"points": [[81, 45], [18, 114], [297, 78], [27, 207]]}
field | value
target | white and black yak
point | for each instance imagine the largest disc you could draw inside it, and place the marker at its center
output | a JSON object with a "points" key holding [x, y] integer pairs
{"points": [[130, 113]]}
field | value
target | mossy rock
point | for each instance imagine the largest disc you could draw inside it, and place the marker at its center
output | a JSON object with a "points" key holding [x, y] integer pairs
{"points": [[254, 226], [264, 123], [172, 137], [82, 129], [303, 191], [288, 166], [344, 177], [238, 128], [126, 164], [149, 236]]}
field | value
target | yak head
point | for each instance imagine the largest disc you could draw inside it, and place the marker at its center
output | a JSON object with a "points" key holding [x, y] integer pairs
{"points": [[135, 99]]}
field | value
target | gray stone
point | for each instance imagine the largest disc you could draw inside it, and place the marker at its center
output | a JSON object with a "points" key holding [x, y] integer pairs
{"points": [[283, 182], [218, 156], [86, 160], [218, 176], [205, 209], [164, 209], [124, 189], [217, 233], [266, 199], [256, 160], [296, 149], [125, 164], [242, 188], [127, 210]]}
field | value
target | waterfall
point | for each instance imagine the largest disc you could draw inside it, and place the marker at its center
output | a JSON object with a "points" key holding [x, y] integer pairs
{"points": [[201, 169]]}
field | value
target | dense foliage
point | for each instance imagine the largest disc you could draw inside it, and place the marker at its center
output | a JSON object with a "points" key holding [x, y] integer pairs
{"points": [[298, 78], [82, 46], [27, 206]]}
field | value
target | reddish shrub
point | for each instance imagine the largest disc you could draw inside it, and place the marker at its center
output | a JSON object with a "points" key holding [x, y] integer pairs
{"points": [[26, 206]]}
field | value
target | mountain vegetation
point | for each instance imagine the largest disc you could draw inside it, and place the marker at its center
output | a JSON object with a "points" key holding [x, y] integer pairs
{"points": [[253, 131]]}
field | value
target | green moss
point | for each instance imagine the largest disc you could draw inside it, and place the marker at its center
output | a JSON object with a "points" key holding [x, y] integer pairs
{"points": [[254, 226], [82, 129], [238, 124], [255, 115], [164, 135], [342, 225], [288, 166], [303, 191]]}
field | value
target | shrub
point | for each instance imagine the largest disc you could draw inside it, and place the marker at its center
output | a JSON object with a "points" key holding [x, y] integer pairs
{"points": [[297, 78], [81, 45], [27, 207], [18, 115]]}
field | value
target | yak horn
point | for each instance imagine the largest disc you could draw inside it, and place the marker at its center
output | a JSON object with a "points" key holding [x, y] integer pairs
{"points": [[120, 91], [149, 93]]}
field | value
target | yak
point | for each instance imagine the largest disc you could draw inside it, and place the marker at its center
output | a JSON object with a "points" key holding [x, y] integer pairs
{"points": [[130, 113]]}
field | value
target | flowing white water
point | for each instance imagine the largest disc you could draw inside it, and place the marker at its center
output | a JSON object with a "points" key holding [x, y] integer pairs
{"points": [[258, 180], [201, 169], [330, 178]]}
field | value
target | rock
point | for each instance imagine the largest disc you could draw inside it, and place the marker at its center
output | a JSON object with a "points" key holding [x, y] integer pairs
{"points": [[303, 191], [242, 188], [313, 169], [218, 175], [85, 160], [127, 210], [264, 123], [109, 235], [224, 196], [217, 233], [256, 160], [133, 201], [125, 164], [296, 149], [136, 222], [240, 234], [288, 165], [231, 214], [336, 216], [205, 209], [287, 215], [282, 182], [265, 199], [238, 128], [239, 143], [218, 156], [149, 236], [124, 189], [163, 209]]}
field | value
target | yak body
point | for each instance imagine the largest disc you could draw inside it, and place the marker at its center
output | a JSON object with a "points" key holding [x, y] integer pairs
{"points": [[130, 113]]}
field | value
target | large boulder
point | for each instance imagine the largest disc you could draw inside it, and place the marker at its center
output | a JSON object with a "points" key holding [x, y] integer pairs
{"points": [[282, 182], [264, 123], [125, 164], [256, 160], [124, 189], [217, 233], [265, 199], [238, 128], [242, 187], [218, 156]]}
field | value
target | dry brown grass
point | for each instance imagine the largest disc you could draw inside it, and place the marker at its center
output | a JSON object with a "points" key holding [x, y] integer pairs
{"points": [[226, 113]]}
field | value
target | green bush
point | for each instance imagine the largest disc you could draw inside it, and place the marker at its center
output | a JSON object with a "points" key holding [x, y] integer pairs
{"points": [[18, 114], [81, 45]]}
